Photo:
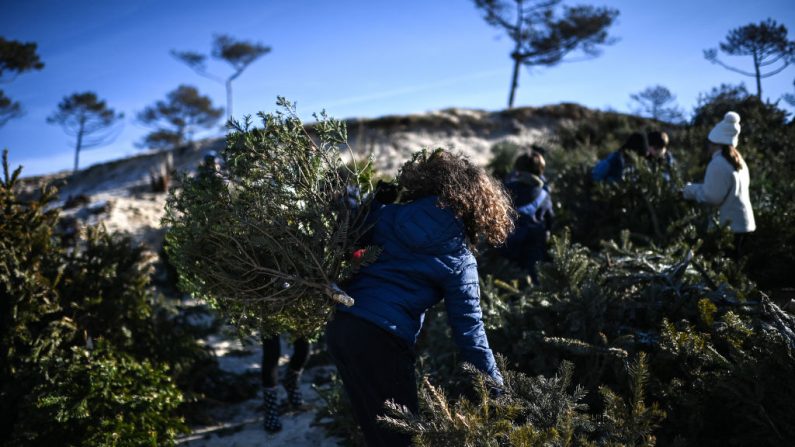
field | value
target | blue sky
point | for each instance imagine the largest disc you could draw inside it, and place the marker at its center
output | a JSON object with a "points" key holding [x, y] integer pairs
{"points": [[354, 58]]}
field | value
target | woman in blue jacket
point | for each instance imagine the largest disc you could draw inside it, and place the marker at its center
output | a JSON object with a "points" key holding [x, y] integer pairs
{"points": [[425, 258]]}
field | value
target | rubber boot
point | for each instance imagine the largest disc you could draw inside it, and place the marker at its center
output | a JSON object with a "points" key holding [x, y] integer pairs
{"points": [[271, 408], [292, 381]]}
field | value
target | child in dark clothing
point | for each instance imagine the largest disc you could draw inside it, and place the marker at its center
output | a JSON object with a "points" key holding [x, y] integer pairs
{"points": [[527, 245], [424, 258]]}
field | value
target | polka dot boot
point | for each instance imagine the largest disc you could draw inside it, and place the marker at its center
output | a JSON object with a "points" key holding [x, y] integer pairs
{"points": [[291, 383], [272, 423]]}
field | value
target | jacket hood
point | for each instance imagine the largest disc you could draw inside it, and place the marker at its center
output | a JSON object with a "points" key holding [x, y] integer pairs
{"points": [[424, 227]]}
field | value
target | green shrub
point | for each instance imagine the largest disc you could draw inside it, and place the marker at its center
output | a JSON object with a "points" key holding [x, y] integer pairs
{"points": [[600, 132], [725, 358], [78, 335], [503, 156], [647, 204], [730, 384], [528, 412], [100, 398], [641, 298]]}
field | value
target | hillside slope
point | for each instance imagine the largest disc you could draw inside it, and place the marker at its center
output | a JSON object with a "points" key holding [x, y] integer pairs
{"points": [[118, 193]]}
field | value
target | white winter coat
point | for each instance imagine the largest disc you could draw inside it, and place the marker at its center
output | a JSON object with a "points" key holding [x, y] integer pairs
{"points": [[726, 189]]}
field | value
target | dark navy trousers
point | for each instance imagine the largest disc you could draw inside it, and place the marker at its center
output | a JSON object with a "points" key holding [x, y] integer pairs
{"points": [[375, 366]]}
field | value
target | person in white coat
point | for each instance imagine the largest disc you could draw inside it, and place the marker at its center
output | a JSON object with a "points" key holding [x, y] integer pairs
{"points": [[726, 181]]}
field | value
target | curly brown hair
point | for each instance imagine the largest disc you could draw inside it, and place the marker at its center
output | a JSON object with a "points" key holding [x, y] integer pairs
{"points": [[472, 194]]}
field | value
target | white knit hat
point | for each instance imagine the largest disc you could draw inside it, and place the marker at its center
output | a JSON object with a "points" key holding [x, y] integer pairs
{"points": [[727, 131]]}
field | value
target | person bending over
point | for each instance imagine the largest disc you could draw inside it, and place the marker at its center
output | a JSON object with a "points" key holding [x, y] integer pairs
{"points": [[425, 257]]}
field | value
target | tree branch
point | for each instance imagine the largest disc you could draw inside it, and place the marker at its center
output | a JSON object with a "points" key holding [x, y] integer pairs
{"points": [[715, 60]]}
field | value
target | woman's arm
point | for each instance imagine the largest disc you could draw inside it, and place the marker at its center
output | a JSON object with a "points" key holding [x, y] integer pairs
{"points": [[717, 182], [462, 300]]}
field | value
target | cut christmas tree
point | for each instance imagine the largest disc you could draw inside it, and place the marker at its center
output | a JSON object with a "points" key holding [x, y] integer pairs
{"points": [[268, 234]]}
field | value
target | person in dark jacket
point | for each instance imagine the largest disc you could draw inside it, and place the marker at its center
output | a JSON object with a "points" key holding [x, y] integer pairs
{"points": [[527, 245], [613, 167], [658, 153], [424, 258]]}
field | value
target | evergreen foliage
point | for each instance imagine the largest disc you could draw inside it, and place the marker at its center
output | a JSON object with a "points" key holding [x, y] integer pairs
{"points": [[176, 120], [727, 353], [730, 347], [629, 421], [646, 202], [594, 134], [82, 345], [528, 411], [730, 384], [267, 238], [239, 54], [503, 155], [15, 58], [99, 397], [650, 205], [543, 33], [88, 119], [9, 109], [671, 341], [657, 102], [768, 45]]}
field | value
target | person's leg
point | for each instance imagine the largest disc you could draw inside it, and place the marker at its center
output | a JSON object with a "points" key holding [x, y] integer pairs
{"points": [[300, 354], [375, 366], [271, 351], [398, 384], [337, 337], [292, 378], [740, 242]]}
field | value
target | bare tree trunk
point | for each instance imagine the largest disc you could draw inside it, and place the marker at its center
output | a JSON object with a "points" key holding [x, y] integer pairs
{"points": [[185, 137], [77, 154], [758, 77], [517, 59], [514, 80], [228, 98], [79, 144]]}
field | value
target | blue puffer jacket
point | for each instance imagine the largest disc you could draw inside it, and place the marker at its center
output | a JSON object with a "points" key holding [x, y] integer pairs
{"points": [[610, 169], [424, 259], [527, 245]]}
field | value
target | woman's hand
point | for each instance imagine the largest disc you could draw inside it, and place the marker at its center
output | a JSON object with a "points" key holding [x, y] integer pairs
{"points": [[687, 192]]}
